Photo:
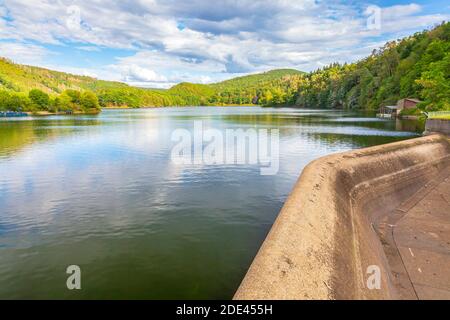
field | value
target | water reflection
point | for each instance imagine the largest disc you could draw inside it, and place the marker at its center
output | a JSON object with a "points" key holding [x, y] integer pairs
{"points": [[18, 133], [410, 125], [101, 192]]}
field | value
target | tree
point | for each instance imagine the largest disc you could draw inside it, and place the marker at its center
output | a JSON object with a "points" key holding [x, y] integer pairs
{"points": [[75, 95], [89, 100], [12, 101], [39, 98], [278, 96], [64, 102], [436, 85], [4, 100]]}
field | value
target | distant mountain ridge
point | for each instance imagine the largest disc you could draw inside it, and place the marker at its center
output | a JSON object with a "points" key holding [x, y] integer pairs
{"points": [[242, 90], [23, 78]]}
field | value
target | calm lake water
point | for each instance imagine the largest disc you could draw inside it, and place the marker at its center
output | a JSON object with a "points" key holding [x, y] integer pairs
{"points": [[101, 192]]}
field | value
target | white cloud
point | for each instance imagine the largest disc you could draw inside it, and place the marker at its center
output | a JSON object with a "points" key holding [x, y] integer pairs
{"points": [[89, 48], [23, 53], [399, 11], [135, 73], [202, 40]]}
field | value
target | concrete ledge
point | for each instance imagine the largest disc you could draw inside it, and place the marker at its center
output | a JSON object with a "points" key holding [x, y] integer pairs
{"points": [[323, 239], [437, 126]]}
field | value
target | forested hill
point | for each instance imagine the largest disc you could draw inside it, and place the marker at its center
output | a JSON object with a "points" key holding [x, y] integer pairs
{"points": [[54, 90], [272, 87], [22, 78], [415, 67]]}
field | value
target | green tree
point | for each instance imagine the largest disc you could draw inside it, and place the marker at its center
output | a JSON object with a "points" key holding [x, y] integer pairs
{"points": [[89, 100], [435, 85], [4, 100], [39, 98], [75, 96], [13, 101]]}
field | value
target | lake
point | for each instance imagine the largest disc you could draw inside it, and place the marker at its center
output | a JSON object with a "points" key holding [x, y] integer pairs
{"points": [[103, 192]]}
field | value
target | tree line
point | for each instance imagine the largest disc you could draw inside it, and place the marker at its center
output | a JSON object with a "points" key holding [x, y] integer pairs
{"points": [[37, 100]]}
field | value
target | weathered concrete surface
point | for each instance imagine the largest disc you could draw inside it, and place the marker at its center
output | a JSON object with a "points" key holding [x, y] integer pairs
{"points": [[422, 237], [437, 126], [416, 239], [338, 221]]}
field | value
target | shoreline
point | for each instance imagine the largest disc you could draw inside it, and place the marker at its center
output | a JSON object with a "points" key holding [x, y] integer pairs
{"points": [[47, 113], [158, 107]]}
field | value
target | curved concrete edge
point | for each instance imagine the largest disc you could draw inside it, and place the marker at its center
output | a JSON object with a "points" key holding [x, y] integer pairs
{"points": [[323, 240]]}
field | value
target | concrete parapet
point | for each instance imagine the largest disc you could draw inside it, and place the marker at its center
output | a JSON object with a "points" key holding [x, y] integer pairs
{"points": [[324, 240], [437, 126]]}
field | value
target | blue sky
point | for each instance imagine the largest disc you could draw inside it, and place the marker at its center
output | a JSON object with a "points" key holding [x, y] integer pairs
{"points": [[155, 43]]}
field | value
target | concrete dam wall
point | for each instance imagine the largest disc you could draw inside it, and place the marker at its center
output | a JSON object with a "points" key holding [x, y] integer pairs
{"points": [[437, 126], [336, 224]]}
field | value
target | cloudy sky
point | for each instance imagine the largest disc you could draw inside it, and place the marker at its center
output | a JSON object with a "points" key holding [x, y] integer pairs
{"points": [[158, 43]]}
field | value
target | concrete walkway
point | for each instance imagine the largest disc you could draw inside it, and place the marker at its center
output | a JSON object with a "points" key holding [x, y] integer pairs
{"points": [[385, 206], [416, 239]]}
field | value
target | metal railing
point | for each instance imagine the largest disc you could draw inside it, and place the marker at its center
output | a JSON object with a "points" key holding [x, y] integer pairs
{"points": [[437, 114]]}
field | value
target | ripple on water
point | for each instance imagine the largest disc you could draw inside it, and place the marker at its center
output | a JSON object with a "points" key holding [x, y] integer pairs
{"points": [[103, 192]]}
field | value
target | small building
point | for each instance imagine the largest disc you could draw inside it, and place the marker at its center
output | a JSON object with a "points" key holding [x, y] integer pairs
{"points": [[407, 103], [394, 111], [388, 112]]}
